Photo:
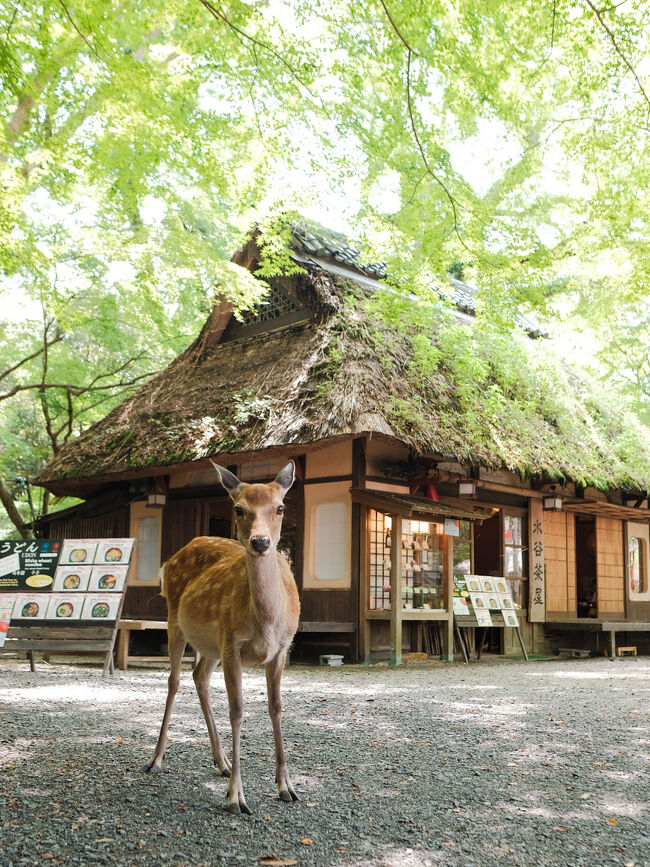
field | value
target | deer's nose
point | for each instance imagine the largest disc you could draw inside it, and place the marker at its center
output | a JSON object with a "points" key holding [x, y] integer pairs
{"points": [[260, 543]]}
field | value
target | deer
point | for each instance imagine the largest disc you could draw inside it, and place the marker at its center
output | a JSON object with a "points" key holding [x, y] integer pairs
{"points": [[235, 602]]}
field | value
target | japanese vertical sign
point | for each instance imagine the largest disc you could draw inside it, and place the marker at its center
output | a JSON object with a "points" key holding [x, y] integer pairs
{"points": [[537, 581]]}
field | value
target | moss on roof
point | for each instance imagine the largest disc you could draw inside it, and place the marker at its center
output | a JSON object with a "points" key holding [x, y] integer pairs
{"points": [[370, 364]]}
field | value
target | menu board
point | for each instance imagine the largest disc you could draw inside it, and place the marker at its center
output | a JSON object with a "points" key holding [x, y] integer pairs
{"points": [[28, 564], [478, 595], [52, 579]]}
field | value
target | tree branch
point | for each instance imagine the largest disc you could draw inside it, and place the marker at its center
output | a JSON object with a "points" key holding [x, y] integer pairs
{"points": [[396, 28], [83, 37], [409, 54], [5, 373], [15, 517], [75, 390], [598, 13], [220, 16]]}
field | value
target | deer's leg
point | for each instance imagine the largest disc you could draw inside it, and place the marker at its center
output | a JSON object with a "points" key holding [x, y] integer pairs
{"points": [[202, 674], [176, 641], [273, 679], [232, 670]]}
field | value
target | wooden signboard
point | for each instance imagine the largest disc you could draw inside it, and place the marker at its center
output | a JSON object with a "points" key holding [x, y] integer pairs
{"points": [[63, 595], [483, 601]]}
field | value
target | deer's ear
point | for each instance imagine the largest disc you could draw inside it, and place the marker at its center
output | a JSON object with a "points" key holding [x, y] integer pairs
{"points": [[286, 477], [228, 480]]}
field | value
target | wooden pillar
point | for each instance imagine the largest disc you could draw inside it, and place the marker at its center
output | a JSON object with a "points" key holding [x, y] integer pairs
{"points": [[359, 587], [396, 591], [448, 592], [364, 587]]}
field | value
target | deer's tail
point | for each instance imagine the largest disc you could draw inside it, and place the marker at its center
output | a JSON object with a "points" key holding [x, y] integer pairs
{"points": [[161, 577]]}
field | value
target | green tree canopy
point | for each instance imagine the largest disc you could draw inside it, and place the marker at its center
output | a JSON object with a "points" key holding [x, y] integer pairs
{"points": [[139, 142]]}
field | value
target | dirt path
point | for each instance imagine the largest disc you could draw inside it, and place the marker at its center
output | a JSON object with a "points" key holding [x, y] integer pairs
{"points": [[546, 763]]}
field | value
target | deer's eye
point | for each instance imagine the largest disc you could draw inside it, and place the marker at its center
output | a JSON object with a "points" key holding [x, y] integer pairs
{"points": [[280, 510], [239, 511]]}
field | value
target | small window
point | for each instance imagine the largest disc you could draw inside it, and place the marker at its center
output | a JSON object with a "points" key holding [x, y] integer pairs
{"points": [[146, 525], [148, 548], [330, 541], [637, 558], [637, 561]]}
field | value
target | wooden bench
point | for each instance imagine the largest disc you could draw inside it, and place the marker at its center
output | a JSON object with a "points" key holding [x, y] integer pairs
{"points": [[46, 638], [126, 626], [626, 651]]}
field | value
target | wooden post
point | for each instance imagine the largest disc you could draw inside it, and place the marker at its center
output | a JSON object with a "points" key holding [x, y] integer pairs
{"points": [[396, 591], [359, 584], [448, 593], [364, 626]]}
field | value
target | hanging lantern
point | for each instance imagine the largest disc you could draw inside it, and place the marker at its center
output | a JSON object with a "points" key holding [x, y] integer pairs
{"points": [[552, 502], [467, 488]]}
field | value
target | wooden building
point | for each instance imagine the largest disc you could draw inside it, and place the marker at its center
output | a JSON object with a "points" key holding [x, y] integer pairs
{"points": [[311, 375]]}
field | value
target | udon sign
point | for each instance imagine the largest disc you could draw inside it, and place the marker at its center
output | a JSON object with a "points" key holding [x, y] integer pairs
{"points": [[72, 579], [28, 565]]}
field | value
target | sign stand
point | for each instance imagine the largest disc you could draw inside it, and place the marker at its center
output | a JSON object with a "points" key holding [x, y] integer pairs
{"points": [[483, 601], [89, 580]]}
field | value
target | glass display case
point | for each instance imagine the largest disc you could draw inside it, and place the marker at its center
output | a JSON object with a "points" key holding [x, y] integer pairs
{"points": [[421, 548]]}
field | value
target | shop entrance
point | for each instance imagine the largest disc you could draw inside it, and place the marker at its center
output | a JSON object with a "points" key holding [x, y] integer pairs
{"points": [[586, 566], [487, 547], [488, 560]]}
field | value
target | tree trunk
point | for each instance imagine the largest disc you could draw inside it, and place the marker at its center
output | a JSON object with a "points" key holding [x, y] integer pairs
{"points": [[14, 515]]}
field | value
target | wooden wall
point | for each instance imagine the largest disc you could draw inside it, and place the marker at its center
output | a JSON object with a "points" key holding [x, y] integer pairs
{"points": [[610, 568], [560, 563], [110, 524]]}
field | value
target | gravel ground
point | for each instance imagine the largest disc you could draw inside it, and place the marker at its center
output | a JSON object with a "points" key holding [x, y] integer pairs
{"points": [[498, 762]]}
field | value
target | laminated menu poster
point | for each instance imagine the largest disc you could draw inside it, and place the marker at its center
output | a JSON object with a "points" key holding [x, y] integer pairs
{"points": [[78, 552], [101, 606], [28, 564], [483, 617], [460, 599], [72, 579], [30, 606], [479, 602], [510, 618], [6, 607], [115, 551], [108, 578], [65, 606]]}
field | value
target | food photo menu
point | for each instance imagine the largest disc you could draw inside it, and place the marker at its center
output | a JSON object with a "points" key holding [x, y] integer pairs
{"points": [[60, 580]]}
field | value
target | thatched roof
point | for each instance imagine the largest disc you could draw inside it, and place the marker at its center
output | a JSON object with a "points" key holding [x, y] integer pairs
{"points": [[339, 370]]}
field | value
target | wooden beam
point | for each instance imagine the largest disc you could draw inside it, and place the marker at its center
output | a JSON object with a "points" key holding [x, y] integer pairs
{"points": [[325, 626], [396, 591]]}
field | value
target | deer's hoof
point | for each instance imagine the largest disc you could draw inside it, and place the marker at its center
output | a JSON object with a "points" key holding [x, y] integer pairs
{"points": [[285, 796], [239, 807], [150, 768], [225, 771]]}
